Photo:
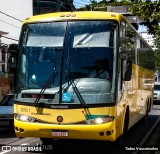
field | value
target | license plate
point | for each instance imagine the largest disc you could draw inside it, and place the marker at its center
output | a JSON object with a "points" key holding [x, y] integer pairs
{"points": [[60, 133], [4, 123]]}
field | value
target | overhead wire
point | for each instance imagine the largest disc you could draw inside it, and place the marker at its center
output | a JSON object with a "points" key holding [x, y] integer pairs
{"points": [[10, 24], [12, 36], [11, 16], [22, 21], [9, 38]]}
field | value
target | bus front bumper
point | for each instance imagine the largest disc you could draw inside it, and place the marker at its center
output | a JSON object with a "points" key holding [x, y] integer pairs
{"points": [[105, 131]]}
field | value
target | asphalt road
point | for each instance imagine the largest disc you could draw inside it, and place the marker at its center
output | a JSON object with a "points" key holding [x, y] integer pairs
{"points": [[134, 137]]}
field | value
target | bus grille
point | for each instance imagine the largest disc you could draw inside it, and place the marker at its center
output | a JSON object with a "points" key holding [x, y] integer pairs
{"points": [[45, 96]]}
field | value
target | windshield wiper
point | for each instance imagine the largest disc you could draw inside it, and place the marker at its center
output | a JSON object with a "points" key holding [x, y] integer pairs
{"points": [[71, 82], [46, 85]]}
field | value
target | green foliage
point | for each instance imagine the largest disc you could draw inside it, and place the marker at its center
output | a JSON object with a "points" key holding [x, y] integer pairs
{"points": [[93, 2], [157, 33], [149, 12], [104, 3], [157, 59], [120, 3]]}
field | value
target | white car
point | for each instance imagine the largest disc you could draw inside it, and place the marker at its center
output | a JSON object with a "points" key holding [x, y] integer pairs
{"points": [[157, 91], [6, 111]]}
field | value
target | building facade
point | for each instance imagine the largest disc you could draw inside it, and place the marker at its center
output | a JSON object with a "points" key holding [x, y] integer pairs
{"points": [[42, 6], [149, 38], [136, 22], [13, 12]]}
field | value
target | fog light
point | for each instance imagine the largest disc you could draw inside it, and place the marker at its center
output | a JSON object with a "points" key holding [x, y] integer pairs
{"points": [[16, 128], [108, 132], [21, 130], [101, 133]]}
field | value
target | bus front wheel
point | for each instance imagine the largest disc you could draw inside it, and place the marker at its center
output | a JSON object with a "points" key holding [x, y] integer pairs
{"points": [[126, 122], [122, 138]]}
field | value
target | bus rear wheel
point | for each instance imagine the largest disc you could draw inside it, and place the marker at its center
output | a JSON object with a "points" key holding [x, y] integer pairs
{"points": [[145, 118]]}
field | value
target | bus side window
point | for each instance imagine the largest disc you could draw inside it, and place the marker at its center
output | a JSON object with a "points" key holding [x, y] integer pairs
{"points": [[123, 45]]}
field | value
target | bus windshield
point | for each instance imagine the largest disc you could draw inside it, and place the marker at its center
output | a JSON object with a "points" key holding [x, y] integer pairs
{"points": [[79, 54]]}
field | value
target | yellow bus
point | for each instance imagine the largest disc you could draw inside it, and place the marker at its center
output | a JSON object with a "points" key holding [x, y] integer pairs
{"points": [[81, 75]]}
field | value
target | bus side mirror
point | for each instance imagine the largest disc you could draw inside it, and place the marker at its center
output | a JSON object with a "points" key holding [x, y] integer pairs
{"points": [[127, 70]]}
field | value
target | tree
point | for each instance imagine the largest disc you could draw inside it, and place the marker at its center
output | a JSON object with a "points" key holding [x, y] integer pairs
{"points": [[149, 11]]}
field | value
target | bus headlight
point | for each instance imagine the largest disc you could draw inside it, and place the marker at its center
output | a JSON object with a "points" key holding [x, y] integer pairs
{"points": [[99, 120], [26, 118]]}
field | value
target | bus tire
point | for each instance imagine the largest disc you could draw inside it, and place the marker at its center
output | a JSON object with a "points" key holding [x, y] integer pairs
{"points": [[145, 118], [126, 122], [149, 107], [121, 140]]}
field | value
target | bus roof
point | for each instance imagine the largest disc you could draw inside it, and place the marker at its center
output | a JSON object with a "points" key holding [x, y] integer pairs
{"points": [[77, 15]]}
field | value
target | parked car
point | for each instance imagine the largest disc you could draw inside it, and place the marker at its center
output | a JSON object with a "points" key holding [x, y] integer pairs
{"points": [[6, 110], [156, 92]]}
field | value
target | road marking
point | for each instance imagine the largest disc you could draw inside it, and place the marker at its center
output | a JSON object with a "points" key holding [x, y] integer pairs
{"points": [[147, 135], [150, 131], [4, 152]]}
